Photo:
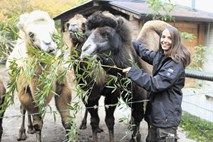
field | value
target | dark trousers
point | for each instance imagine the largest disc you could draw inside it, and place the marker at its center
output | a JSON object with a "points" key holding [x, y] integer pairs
{"points": [[162, 134]]}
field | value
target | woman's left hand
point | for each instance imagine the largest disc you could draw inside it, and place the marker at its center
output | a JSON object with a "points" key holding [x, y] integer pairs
{"points": [[126, 70]]}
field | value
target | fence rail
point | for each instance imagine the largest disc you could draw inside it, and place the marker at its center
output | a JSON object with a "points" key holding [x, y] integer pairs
{"points": [[199, 75]]}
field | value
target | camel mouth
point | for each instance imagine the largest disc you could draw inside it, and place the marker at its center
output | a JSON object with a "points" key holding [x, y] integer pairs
{"points": [[78, 34], [73, 32], [52, 51]]}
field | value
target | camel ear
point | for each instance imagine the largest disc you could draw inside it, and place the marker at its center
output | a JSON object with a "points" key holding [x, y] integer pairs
{"points": [[120, 22], [66, 26], [83, 26], [22, 19]]}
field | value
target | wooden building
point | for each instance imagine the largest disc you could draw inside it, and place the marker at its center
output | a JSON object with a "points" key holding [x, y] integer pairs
{"points": [[197, 23], [186, 19]]}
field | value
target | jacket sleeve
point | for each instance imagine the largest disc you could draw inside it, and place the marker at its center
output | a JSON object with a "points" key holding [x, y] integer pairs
{"points": [[164, 79], [143, 52]]}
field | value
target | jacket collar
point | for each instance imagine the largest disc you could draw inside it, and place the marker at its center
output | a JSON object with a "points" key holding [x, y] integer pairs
{"points": [[161, 60]]}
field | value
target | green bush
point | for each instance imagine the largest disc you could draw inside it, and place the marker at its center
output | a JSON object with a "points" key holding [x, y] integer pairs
{"points": [[197, 128], [8, 35], [10, 11]]}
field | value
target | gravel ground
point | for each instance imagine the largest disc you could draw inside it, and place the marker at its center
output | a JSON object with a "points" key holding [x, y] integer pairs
{"points": [[54, 132]]}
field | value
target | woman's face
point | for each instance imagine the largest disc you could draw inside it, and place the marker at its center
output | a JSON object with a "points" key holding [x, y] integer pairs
{"points": [[166, 40]]}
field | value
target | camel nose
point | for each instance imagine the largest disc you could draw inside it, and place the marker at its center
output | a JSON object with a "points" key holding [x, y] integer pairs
{"points": [[51, 50], [73, 27], [47, 43]]}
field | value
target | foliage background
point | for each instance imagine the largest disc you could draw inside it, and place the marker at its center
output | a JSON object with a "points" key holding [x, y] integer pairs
{"points": [[11, 8], [10, 11]]}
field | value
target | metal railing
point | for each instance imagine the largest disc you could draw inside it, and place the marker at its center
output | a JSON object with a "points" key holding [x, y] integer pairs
{"points": [[199, 75]]}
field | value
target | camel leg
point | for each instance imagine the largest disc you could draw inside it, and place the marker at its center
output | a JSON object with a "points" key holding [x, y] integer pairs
{"points": [[2, 111], [131, 123], [84, 123], [1, 128], [137, 110], [1, 121], [94, 120], [110, 107], [27, 104], [136, 136], [37, 125], [22, 131], [137, 116], [62, 101], [30, 129]]}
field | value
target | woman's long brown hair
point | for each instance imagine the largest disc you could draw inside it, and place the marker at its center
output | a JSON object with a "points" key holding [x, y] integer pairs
{"points": [[178, 52]]}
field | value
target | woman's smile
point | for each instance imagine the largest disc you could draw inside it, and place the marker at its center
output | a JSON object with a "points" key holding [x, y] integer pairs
{"points": [[166, 40]]}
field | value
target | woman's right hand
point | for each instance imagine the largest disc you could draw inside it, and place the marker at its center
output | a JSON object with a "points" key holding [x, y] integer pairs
{"points": [[126, 70]]}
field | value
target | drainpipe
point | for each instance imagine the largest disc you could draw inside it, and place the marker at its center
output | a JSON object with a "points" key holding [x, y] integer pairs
{"points": [[193, 5], [208, 29]]}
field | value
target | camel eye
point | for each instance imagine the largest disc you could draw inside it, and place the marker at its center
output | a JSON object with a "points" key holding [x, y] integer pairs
{"points": [[67, 25], [31, 35], [105, 35]]}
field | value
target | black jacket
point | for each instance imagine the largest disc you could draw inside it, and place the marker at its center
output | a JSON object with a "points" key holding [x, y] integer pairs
{"points": [[165, 86]]}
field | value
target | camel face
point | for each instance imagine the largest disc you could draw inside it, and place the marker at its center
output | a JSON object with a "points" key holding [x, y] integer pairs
{"points": [[41, 37], [102, 40], [76, 25], [89, 47], [38, 31]]}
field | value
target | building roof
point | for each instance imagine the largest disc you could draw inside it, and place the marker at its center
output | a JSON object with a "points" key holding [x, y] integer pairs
{"points": [[179, 12], [138, 8]]}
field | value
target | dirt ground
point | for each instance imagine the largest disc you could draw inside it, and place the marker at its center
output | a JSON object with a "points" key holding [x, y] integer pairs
{"points": [[54, 132]]}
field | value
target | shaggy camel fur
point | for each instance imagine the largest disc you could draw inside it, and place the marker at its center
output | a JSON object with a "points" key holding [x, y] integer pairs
{"points": [[36, 31], [110, 43], [74, 37], [2, 98]]}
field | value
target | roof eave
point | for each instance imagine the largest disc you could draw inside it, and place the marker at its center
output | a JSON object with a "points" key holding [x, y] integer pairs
{"points": [[93, 5], [74, 9]]}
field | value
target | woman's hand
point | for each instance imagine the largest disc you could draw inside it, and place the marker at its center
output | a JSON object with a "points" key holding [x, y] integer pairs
{"points": [[126, 70], [136, 43]]}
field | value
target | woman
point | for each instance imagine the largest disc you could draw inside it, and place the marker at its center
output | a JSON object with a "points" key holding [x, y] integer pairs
{"points": [[163, 112]]}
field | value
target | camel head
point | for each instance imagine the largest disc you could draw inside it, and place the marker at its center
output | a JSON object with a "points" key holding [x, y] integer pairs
{"points": [[76, 28], [109, 35], [37, 29]]}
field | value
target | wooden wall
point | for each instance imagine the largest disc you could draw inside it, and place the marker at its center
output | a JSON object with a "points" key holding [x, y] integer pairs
{"points": [[197, 29]]}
